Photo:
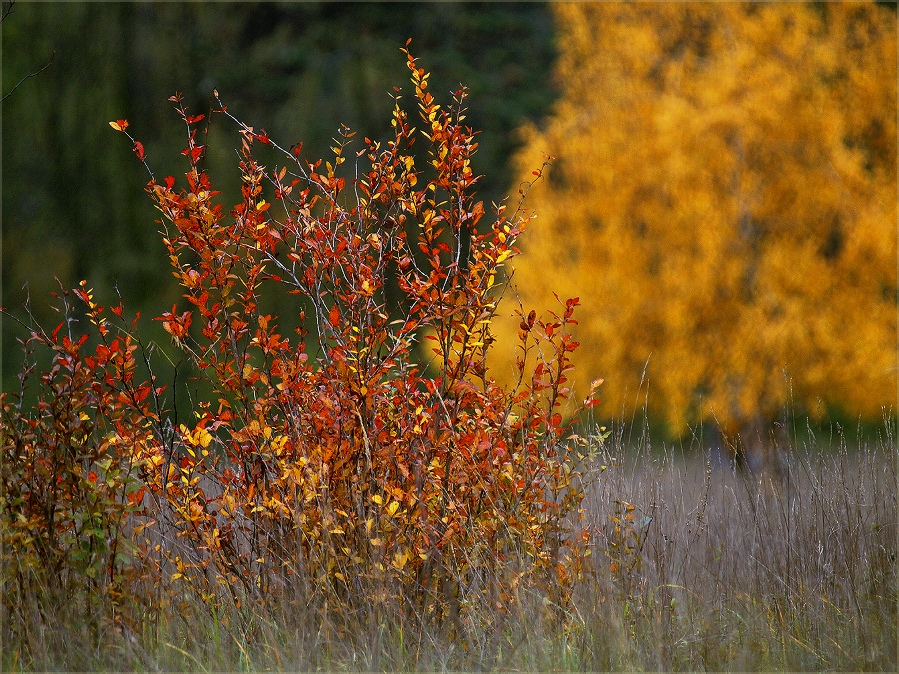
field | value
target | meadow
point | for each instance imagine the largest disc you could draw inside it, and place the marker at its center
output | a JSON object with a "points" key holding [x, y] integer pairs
{"points": [[697, 569]]}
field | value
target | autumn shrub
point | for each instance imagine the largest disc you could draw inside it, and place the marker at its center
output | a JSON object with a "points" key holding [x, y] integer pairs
{"points": [[71, 472], [330, 467]]}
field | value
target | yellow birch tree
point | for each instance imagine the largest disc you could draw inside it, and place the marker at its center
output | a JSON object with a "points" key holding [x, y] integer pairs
{"points": [[723, 200]]}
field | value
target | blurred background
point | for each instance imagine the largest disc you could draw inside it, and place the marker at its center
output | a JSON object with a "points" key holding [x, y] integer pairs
{"points": [[73, 200], [723, 198]]}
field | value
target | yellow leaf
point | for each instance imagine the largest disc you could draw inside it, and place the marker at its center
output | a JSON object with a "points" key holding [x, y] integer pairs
{"points": [[204, 437]]}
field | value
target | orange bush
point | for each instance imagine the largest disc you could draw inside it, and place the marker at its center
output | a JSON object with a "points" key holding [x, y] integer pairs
{"points": [[334, 459], [72, 465]]}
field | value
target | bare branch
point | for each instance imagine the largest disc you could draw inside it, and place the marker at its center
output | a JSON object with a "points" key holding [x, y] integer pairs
{"points": [[49, 63], [8, 10]]}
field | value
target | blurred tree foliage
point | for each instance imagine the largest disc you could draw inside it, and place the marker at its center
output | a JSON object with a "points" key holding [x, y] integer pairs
{"points": [[724, 203], [73, 200]]}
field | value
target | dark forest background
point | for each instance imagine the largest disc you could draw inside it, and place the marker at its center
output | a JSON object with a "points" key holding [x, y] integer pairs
{"points": [[73, 204]]}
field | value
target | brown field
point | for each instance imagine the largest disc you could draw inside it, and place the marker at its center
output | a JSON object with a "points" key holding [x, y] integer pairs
{"points": [[695, 568]]}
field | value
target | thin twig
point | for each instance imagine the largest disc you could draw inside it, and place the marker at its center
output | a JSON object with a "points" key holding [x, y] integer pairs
{"points": [[49, 63], [8, 10]]}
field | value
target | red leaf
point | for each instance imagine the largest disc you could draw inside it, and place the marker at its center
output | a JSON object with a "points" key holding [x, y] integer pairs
{"points": [[193, 152], [141, 394], [136, 497], [139, 149]]}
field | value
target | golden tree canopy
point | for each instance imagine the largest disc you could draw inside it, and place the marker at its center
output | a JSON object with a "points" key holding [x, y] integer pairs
{"points": [[723, 200]]}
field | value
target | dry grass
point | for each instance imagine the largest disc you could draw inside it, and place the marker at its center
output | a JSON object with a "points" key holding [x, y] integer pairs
{"points": [[708, 570], [737, 573]]}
